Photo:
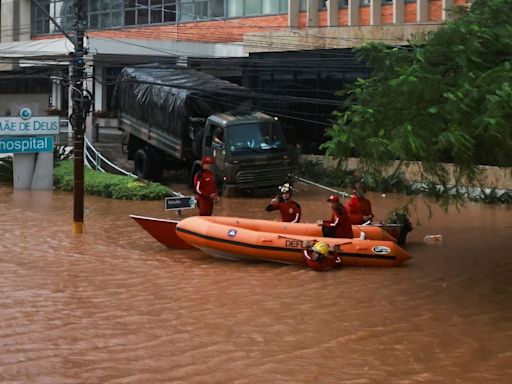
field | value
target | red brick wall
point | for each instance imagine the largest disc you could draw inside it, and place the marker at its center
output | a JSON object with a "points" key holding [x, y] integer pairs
{"points": [[434, 10], [364, 15], [386, 14], [209, 31], [303, 19], [322, 19], [410, 12], [343, 16]]}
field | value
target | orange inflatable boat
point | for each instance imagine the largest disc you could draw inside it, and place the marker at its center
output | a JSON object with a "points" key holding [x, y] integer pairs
{"points": [[249, 239], [163, 230]]}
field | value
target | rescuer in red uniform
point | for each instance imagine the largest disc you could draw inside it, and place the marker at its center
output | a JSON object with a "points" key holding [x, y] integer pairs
{"points": [[320, 258], [339, 225], [206, 187], [289, 209], [359, 208]]}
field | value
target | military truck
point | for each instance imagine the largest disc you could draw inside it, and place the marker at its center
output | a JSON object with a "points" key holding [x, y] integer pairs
{"points": [[174, 117]]}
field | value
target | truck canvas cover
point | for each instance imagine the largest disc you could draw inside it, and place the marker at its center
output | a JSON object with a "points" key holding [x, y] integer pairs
{"points": [[166, 98]]}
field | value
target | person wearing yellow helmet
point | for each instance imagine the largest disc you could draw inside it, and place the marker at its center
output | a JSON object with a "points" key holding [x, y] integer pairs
{"points": [[320, 257], [320, 250]]}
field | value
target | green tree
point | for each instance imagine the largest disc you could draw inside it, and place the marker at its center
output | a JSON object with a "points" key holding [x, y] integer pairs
{"points": [[448, 99]]}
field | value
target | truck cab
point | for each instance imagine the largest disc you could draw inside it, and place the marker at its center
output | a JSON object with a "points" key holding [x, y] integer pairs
{"points": [[249, 149]]}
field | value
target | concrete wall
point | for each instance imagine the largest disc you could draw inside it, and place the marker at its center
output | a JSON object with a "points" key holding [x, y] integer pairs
{"points": [[333, 37], [37, 102], [14, 21], [500, 178]]}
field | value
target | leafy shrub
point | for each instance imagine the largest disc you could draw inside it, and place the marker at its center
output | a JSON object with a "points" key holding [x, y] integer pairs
{"points": [[493, 196], [396, 182], [61, 152], [109, 185]]}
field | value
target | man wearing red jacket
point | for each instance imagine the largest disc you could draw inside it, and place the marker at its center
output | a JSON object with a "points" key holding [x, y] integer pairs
{"points": [[359, 208], [289, 209], [205, 187], [339, 225], [320, 258]]}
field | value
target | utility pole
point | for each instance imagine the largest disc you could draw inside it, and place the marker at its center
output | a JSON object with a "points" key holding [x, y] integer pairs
{"points": [[81, 105]]}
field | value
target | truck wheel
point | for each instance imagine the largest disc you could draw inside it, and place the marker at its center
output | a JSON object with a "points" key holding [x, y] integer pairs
{"points": [[147, 164], [142, 164], [157, 168]]}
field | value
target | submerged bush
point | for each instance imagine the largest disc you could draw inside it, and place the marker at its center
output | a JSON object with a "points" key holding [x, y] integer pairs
{"points": [[109, 185], [396, 182]]}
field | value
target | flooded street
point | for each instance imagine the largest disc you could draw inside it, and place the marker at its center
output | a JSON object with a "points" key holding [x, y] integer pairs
{"points": [[115, 306]]}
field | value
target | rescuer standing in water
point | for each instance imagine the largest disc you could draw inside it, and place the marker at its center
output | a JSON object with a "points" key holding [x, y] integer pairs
{"points": [[205, 187]]}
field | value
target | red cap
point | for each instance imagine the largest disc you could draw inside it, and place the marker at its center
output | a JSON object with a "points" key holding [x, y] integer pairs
{"points": [[333, 199], [207, 160]]}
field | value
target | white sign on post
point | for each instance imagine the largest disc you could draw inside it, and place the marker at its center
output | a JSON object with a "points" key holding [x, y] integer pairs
{"points": [[26, 125], [26, 136]]}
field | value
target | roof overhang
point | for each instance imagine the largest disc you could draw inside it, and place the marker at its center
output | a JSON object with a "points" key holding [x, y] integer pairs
{"points": [[55, 51]]}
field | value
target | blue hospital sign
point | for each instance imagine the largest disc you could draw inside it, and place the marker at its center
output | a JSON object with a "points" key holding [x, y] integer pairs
{"points": [[26, 144]]}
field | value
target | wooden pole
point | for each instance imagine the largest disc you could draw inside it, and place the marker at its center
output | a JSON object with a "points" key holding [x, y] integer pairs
{"points": [[78, 115]]}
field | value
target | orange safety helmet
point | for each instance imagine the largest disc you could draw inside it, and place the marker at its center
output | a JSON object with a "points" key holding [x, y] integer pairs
{"points": [[207, 160], [333, 199]]}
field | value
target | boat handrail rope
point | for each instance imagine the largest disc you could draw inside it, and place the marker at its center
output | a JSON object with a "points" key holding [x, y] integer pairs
{"points": [[342, 193]]}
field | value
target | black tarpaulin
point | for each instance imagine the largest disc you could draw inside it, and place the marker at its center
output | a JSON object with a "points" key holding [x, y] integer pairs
{"points": [[167, 97]]}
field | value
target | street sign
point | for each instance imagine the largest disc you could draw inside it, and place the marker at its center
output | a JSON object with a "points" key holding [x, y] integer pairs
{"points": [[182, 202], [33, 126], [26, 144]]}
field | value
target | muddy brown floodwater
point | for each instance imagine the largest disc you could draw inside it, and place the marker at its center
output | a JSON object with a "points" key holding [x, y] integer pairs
{"points": [[115, 306]]}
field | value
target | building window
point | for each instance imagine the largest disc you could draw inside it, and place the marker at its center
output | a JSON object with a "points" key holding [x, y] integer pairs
{"points": [[105, 13], [193, 10], [240, 8], [190, 10], [140, 12], [62, 11], [342, 3], [274, 6], [303, 5]]}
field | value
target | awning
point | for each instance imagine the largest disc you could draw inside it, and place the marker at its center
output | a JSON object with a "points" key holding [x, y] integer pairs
{"points": [[36, 48], [56, 50]]}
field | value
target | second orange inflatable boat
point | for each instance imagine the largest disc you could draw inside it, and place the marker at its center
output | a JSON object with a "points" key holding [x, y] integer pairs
{"points": [[250, 239]]}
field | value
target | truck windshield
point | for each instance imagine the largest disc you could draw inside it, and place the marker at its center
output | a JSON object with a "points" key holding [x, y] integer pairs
{"points": [[255, 137]]}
